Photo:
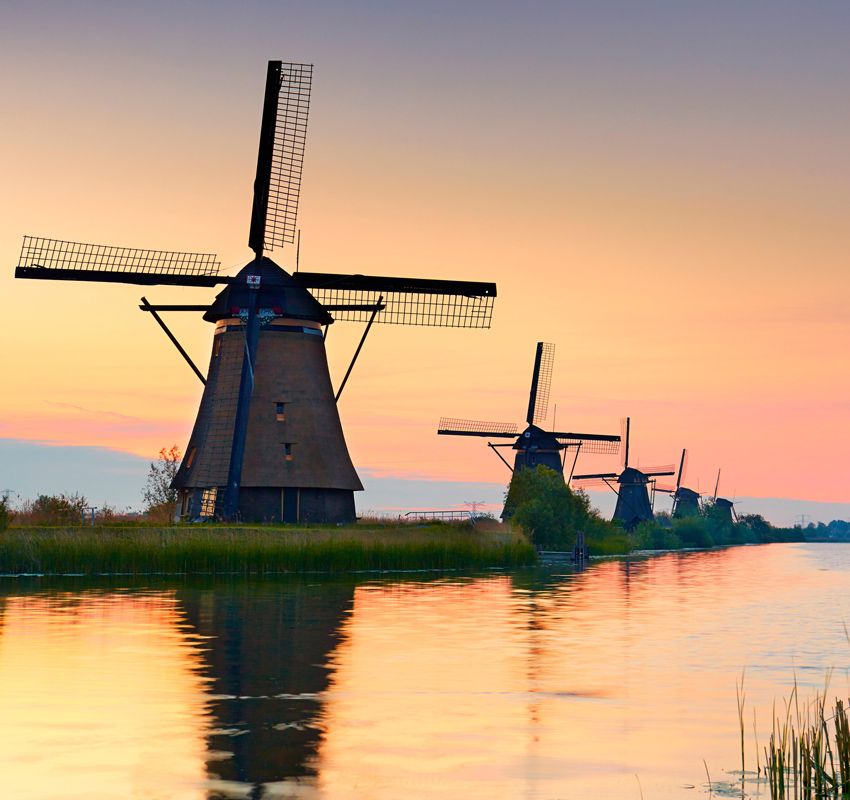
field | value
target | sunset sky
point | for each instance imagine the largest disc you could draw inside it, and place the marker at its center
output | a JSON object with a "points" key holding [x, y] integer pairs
{"points": [[661, 189]]}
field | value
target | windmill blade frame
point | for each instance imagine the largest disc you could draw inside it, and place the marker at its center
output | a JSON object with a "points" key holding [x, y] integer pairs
{"points": [[682, 467], [541, 382], [406, 301], [452, 426], [280, 156], [595, 443], [57, 259]]}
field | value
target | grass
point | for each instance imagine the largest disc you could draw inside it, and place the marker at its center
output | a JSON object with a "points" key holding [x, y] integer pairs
{"points": [[807, 756], [217, 549]]}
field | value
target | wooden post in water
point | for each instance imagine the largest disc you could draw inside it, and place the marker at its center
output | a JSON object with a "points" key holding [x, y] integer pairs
{"points": [[580, 550]]}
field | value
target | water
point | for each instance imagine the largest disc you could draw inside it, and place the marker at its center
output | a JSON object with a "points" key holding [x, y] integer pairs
{"points": [[614, 683]]}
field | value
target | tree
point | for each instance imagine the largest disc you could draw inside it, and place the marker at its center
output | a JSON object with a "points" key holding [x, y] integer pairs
{"points": [[159, 493], [6, 513], [541, 503]]}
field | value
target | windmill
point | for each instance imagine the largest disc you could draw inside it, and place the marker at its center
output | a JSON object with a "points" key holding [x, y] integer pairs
{"points": [[267, 444], [726, 507], [535, 445], [633, 503], [685, 501]]}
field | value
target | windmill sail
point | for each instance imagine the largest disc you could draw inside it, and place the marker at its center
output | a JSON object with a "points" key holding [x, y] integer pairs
{"points": [[450, 426], [541, 380], [55, 259], [280, 158], [597, 443], [405, 301]]}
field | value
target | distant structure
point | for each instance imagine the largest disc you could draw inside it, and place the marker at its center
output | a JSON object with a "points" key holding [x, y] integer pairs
{"points": [[632, 490], [267, 444], [685, 501], [535, 445], [726, 507]]}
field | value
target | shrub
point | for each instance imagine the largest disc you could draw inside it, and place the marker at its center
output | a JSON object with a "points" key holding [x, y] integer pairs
{"points": [[541, 503], [693, 532], [158, 490], [54, 509], [6, 513]]}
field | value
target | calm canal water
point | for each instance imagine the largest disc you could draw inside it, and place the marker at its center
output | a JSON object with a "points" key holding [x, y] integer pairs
{"points": [[613, 683]]}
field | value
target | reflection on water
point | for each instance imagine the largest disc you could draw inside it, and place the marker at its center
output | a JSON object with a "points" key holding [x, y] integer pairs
{"points": [[533, 684]]}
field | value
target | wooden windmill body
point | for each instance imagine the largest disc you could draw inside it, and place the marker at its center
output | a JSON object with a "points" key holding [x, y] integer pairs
{"points": [[268, 444], [632, 487]]}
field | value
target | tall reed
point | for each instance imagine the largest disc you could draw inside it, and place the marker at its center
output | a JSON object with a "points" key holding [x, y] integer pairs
{"points": [[808, 756], [246, 550]]}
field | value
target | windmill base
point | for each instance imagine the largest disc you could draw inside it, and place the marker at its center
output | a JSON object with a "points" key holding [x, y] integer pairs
{"points": [[271, 505]]}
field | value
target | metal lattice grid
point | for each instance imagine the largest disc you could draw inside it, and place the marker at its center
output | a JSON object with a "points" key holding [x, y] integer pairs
{"points": [[595, 446], [544, 382], [454, 425], [288, 154], [410, 308], [663, 469], [57, 254]]}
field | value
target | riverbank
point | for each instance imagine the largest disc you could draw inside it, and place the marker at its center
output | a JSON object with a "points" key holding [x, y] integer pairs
{"points": [[256, 550]]}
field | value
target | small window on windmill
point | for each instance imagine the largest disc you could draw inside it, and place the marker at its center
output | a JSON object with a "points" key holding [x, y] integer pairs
{"points": [[280, 412], [208, 502], [287, 451], [217, 346], [191, 457]]}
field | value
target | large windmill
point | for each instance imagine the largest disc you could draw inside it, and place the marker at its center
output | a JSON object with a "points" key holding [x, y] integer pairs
{"points": [[534, 445], [685, 501], [632, 489], [267, 444]]}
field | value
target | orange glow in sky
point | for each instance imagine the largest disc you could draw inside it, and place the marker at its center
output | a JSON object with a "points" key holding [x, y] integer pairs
{"points": [[669, 210]]}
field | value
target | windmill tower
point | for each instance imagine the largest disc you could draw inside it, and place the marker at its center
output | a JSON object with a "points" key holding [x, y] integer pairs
{"points": [[535, 445], [267, 444], [685, 501], [633, 487]]}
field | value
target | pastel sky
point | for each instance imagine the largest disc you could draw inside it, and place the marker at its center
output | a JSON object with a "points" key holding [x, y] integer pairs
{"points": [[661, 189]]}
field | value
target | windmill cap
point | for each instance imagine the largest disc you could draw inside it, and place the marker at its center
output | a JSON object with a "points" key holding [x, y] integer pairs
{"points": [[632, 475], [534, 436], [277, 290]]}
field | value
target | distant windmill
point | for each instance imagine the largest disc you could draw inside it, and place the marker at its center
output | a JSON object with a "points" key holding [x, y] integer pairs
{"points": [[727, 507], [633, 503], [267, 444], [534, 446], [685, 501]]}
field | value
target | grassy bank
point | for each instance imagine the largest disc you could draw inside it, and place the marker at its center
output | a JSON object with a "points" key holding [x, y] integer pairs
{"points": [[247, 550]]}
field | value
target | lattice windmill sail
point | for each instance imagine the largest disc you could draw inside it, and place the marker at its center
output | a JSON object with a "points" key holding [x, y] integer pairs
{"points": [[267, 443], [632, 487], [533, 446]]}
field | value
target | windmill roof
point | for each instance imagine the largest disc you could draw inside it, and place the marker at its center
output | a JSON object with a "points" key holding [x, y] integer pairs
{"points": [[277, 291]]}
